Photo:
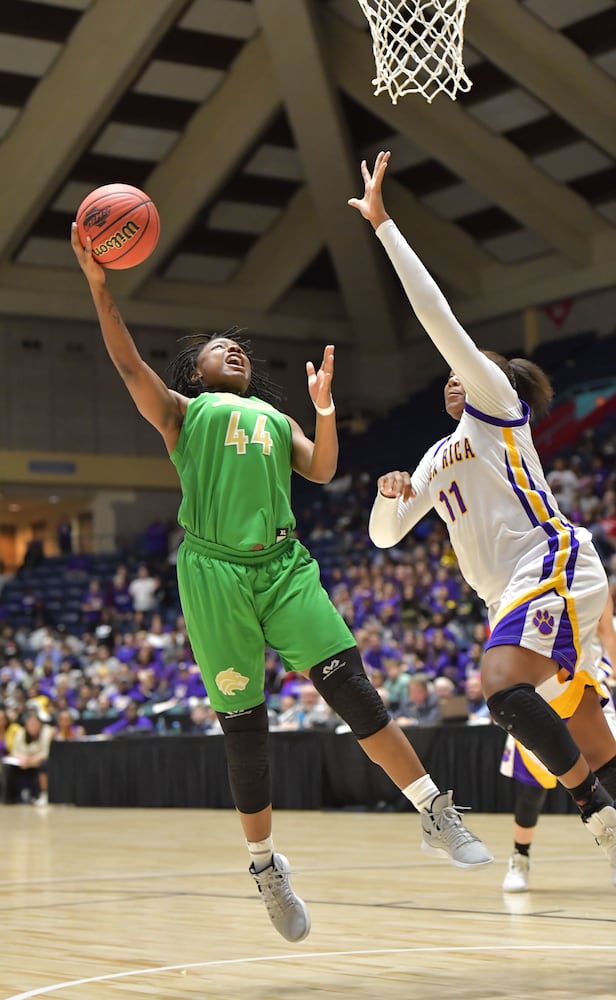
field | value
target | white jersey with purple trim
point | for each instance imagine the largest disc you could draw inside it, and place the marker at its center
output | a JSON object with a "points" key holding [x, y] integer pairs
{"points": [[485, 481], [513, 545]]}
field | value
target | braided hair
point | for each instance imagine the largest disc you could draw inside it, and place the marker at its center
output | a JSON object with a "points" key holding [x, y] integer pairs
{"points": [[182, 369]]}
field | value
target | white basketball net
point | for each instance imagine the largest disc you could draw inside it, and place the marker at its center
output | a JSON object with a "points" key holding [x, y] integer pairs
{"points": [[417, 46]]}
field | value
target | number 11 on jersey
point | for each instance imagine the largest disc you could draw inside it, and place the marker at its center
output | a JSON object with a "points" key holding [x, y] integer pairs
{"points": [[454, 490]]}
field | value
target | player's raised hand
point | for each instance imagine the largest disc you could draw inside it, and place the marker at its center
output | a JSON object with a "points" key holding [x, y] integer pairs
{"points": [[371, 205], [90, 267], [395, 485], [320, 382]]}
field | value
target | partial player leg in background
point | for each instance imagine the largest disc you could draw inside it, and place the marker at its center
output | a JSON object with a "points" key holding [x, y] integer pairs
{"points": [[530, 800]]}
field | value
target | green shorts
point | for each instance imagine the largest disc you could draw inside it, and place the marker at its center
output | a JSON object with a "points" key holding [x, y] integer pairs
{"points": [[233, 610]]}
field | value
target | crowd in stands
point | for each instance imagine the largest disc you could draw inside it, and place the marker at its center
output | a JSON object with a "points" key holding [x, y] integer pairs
{"points": [[95, 646]]}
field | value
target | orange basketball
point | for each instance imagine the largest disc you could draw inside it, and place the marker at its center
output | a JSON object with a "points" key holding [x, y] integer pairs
{"points": [[122, 222]]}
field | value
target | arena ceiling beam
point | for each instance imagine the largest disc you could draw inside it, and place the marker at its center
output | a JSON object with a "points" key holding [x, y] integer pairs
{"points": [[218, 136], [310, 314], [190, 314], [537, 282], [444, 247], [314, 109], [276, 261], [485, 160], [264, 277], [59, 122], [553, 68], [106, 49]]}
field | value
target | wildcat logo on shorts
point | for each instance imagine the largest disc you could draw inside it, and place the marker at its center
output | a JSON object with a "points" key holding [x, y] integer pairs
{"points": [[544, 622], [230, 682]]}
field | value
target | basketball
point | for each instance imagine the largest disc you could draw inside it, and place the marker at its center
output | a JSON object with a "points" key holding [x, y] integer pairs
{"points": [[122, 222]]}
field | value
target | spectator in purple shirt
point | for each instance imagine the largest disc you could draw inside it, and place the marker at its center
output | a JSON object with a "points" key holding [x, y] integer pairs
{"points": [[121, 693], [389, 599], [118, 597], [128, 648], [92, 604], [188, 683], [363, 605], [377, 651], [130, 722]]}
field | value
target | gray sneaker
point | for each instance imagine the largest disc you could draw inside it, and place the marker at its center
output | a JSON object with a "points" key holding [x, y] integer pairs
{"points": [[288, 913], [445, 836], [602, 825]]}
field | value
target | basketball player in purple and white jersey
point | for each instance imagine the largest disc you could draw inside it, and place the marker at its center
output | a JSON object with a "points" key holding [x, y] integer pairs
{"points": [[531, 778], [539, 575]]}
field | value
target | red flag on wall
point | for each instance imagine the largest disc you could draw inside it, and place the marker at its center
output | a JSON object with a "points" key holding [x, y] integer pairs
{"points": [[558, 311]]}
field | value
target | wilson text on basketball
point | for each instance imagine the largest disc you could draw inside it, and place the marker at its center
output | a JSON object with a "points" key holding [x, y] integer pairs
{"points": [[117, 241]]}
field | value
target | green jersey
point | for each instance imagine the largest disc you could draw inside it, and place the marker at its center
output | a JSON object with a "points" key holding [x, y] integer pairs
{"points": [[233, 457]]}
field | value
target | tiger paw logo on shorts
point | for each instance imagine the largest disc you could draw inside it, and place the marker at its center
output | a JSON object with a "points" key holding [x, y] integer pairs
{"points": [[544, 622], [229, 681]]}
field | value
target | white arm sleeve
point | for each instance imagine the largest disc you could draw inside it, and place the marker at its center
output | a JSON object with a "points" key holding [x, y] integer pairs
{"points": [[391, 519], [486, 386]]}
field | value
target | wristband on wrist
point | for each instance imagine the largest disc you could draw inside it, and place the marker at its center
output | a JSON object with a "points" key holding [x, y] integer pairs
{"points": [[323, 410]]}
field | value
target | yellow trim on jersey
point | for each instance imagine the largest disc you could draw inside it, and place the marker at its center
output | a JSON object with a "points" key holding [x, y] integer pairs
{"points": [[558, 578]]}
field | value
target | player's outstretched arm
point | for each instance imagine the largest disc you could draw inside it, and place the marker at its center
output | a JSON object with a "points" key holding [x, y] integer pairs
{"points": [[428, 302], [162, 407], [318, 460]]}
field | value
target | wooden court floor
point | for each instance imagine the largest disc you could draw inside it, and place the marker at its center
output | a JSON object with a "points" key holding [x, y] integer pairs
{"points": [[129, 904]]}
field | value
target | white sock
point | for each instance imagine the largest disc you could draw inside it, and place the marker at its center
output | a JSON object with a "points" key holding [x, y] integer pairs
{"points": [[261, 852], [421, 792]]}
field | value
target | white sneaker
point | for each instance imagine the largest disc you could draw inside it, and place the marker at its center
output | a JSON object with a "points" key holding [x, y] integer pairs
{"points": [[288, 913], [516, 879], [42, 800], [602, 825]]}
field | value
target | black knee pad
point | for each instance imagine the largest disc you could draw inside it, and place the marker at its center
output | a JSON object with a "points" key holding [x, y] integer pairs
{"points": [[248, 761], [528, 805], [519, 710], [341, 680]]}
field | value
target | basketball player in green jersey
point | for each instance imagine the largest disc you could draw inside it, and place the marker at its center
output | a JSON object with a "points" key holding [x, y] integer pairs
{"points": [[245, 582]]}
